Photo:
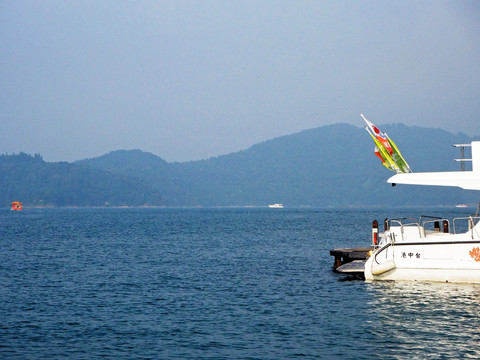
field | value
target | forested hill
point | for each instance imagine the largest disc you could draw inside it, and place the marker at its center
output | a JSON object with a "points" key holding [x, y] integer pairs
{"points": [[327, 166], [37, 183]]}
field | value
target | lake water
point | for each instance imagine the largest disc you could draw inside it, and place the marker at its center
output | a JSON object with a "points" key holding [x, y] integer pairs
{"points": [[215, 284]]}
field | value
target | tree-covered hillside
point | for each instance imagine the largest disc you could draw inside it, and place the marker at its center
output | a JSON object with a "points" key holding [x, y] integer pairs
{"points": [[327, 166], [35, 182]]}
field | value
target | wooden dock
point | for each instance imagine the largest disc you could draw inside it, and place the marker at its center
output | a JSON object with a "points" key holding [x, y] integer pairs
{"points": [[350, 260]]}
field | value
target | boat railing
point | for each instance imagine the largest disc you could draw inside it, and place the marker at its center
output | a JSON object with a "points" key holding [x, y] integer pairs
{"points": [[429, 218], [466, 224], [434, 224], [408, 227], [405, 221], [381, 250]]}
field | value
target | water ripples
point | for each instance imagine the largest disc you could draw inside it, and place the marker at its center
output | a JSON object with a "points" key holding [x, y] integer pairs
{"points": [[213, 284]]}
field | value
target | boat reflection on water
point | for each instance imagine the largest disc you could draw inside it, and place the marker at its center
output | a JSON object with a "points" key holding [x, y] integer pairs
{"points": [[425, 320]]}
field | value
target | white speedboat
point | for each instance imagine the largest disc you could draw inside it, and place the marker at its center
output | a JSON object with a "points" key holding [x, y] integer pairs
{"points": [[430, 249], [276, 206]]}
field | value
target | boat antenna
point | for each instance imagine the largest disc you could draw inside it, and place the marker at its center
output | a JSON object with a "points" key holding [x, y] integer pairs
{"points": [[478, 209], [462, 159]]}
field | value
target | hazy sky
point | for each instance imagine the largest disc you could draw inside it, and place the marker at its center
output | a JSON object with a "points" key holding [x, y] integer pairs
{"points": [[192, 79]]}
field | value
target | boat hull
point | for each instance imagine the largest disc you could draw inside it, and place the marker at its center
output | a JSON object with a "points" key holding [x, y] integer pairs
{"points": [[447, 261], [426, 274]]}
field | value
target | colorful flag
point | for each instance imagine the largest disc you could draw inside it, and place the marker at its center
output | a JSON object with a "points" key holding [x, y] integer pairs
{"points": [[386, 149]]}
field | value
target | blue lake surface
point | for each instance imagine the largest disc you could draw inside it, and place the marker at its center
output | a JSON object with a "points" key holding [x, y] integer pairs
{"points": [[215, 284]]}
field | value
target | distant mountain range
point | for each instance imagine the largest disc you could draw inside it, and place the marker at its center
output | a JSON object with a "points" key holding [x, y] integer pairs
{"points": [[327, 166]]}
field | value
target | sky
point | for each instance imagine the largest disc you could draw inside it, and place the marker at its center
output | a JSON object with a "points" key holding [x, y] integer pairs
{"points": [[188, 80]]}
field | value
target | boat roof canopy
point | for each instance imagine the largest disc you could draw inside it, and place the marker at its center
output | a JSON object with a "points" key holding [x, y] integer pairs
{"points": [[468, 180]]}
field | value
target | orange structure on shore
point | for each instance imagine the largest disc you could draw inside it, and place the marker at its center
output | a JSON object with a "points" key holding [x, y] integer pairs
{"points": [[16, 205]]}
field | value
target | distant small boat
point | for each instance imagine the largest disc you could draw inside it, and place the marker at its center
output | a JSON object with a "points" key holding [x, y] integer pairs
{"points": [[461, 206], [16, 205], [276, 206]]}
